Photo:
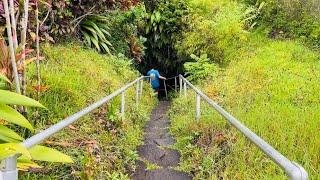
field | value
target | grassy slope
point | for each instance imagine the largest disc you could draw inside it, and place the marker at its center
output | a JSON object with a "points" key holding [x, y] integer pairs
{"points": [[273, 88], [102, 145]]}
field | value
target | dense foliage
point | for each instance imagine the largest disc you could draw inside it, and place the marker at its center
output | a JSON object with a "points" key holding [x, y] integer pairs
{"points": [[124, 32], [163, 28], [257, 58], [290, 19], [200, 68], [215, 33]]}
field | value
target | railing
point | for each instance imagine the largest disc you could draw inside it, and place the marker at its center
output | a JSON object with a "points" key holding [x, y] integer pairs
{"points": [[8, 166], [292, 169]]}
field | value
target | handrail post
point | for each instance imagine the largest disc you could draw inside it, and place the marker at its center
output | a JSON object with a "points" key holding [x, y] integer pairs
{"points": [[165, 88], [122, 104], [175, 84], [198, 110], [137, 93], [180, 84], [9, 169], [185, 88], [141, 88]]}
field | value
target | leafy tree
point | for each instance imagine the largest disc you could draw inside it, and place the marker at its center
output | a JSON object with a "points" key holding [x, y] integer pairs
{"points": [[163, 28]]}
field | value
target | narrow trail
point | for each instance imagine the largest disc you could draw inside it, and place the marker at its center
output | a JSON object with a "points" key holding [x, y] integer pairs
{"points": [[156, 149]]}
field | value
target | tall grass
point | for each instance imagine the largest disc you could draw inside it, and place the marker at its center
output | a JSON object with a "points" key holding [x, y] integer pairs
{"points": [[273, 88], [102, 145]]}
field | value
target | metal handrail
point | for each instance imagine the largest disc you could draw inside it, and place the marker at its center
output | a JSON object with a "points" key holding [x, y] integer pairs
{"points": [[292, 169], [8, 166]]}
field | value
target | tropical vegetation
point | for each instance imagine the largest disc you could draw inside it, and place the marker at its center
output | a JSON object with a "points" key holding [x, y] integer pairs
{"points": [[259, 59]]}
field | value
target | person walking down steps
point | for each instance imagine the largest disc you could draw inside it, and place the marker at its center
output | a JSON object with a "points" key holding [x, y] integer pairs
{"points": [[154, 78]]}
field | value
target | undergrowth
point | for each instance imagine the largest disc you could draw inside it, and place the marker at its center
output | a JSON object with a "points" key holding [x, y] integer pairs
{"points": [[273, 88], [102, 145]]}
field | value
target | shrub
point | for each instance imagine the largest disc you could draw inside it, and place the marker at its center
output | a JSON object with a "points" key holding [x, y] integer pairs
{"points": [[125, 38], [201, 68], [95, 32], [216, 33], [291, 19]]}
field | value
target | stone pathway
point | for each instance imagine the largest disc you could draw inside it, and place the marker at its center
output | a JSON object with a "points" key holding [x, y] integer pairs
{"points": [[156, 152]]}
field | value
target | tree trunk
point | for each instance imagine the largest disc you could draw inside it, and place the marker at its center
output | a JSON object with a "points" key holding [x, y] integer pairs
{"points": [[11, 48], [23, 43], [38, 53], [13, 25]]}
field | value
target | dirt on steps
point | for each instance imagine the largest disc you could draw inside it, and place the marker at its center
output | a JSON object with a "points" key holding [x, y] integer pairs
{"points": [[155, 149]]}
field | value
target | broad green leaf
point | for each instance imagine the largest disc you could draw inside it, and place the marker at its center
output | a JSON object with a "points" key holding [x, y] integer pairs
{"points": [[152, 18], [103, 26], [148, 27], [99, 32], [90, 29], [42, 153], [106, 48], [9, 149], [96, 28], [161, 27], [95, 36], [3, 77], [24, 163], [261, 5], [9, 114], [87, 37], [96, 43], [108, 43], [105, 32], [6, 139], [9, 133], [7, 97], [158, 16]]}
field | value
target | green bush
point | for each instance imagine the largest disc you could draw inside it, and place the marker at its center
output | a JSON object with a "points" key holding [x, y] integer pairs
{"points": [[290, 19], [216, 33], [200, 68], [124, 29], [96, 34]]}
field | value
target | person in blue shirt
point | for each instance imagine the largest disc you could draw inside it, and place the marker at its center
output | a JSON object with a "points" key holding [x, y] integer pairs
{"points": [[154, 77]]}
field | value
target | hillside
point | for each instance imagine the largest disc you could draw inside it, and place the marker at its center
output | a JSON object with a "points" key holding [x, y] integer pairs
{"points": [[270, 85], [258, 59], [101, 144]]}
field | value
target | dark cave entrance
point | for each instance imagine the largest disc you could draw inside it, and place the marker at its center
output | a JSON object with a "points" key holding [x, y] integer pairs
{"points": [[171, 72]]}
